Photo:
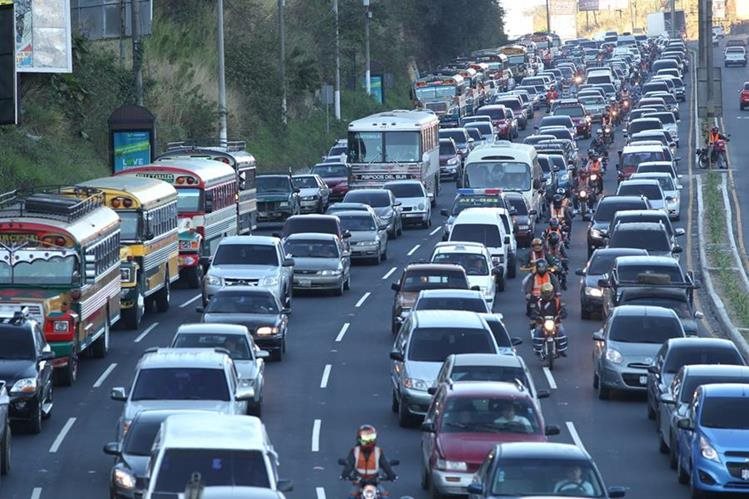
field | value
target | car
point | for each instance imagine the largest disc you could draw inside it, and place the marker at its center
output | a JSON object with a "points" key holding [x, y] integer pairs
{"points": [[650, 236], [423, 343], [462, 140], [594, 105], [669, 122], [229, 450], [256, 308], [417, 277], [340, 147], [671, 102], [250, 260], [503, 120], [598, 228], [459, 368], [415, 204], [247, 356], [744, 96], [713, 427], [581, 116], [734, 56], [675, 402], [523, 218], [477, 262], [626, 345], [182, 378], [505, 343], [486, 129], [334, 208], [515, 104], [558, 132], [470, 300], [26, 369], [335, 176], [314, 193], [650, 188], [321, 262], [678, 352], [369, 234], [383, 202], [538, 470], [654, 216], [277, 198], [562, 120], [450, 159], [670, 189], [476, 135], [598, 267], [491, 413]]}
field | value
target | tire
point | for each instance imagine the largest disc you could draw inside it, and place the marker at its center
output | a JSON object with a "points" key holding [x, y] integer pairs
{"points": [[164, 295], [672, 454], [501, 284], [67, 375], [100, 347], [681, 475], [550, 361], [347, 284], [662, 447], [595, 381], [405, 420], [385, 253], [255, 409], [399, 230], [394, 403], [339, 291], [604, 392], [650, 411], [512, 266], [194, 276], [424, 479], [5, 457], [696, 493], [277, 355], [585, 314], [394, 327], [35, 424], [132, 317]]}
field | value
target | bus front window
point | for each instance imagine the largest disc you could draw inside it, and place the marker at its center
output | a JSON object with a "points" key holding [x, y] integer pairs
{"points": [[402, 147], [55, 271], [129, 225], [188, 200], [365, 147]]}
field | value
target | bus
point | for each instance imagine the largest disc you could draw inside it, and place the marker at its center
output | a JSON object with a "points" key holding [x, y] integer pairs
{"points": [[233, 153], [444, 95], [149, 255], [394, 145], [60, 261], [206, 207]]}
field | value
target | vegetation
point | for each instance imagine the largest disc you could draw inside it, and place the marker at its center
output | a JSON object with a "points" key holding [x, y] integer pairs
{"points": [[63, 135]]}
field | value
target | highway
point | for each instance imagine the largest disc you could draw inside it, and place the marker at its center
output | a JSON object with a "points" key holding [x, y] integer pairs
{"points": [[336, 377]]}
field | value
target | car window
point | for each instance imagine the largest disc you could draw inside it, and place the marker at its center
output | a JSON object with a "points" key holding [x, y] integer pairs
{"points": [[237, 302], [545, 477], [273, 184], [489, 373], [181, 383], [245, 254], [473, 264], [644, 329], [139, 438], [418, 280], [435, 344], [650, 240], [216, 467], [679, 357], [353, 223], [725, 413], [692, 382], [486, 234], [313, 248], [17, 344], [607, 209], [409, 190], [330, 171], [642, 272], [236, 344], [447, 148], [444, 303], [373, 199], [488, 415]]}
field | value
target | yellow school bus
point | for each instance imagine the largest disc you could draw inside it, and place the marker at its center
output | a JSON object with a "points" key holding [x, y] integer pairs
{"points": [[148, 236]]}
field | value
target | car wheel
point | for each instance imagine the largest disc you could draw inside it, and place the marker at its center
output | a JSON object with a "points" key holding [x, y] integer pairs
{"points": [[289, 295], [512, 266], [5, 458], [405, 420], [695, 492], [255, 409], [400, 229], [35, 424], [662, 447], [164, 295], [584, 313], [394, 403], [681, 474], [650, 410], [277, 355], [67, 375], [595, 381], [501, 283], [672, 453], [424, 478], [347, 284], [341, 287], [385, 253], [604, 392], [50, 401]]}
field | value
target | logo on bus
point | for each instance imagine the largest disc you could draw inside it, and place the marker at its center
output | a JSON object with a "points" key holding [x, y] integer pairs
{"points": [[166, 177], [16, 238]]}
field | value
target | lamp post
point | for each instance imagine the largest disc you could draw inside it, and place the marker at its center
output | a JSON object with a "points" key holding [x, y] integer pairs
{"points": [[368, 70], [337, 98], [222, 126]]}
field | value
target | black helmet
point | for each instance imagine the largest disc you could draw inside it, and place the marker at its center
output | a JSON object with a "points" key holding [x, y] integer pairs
{"points": [[541, 266], [591, 153], [554, 223], [557, 199], [553, 239]]}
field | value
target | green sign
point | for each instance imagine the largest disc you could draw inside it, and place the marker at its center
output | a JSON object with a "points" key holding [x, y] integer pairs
{"points": [[131, 149]]}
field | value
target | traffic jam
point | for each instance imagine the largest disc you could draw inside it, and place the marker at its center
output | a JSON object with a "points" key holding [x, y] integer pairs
{"points": [[541, 186]]}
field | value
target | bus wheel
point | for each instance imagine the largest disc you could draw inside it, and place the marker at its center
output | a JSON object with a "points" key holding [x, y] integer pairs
{"points": [[163, 296], [194, 276], [67, 375], [132, 316], [100, 347]]}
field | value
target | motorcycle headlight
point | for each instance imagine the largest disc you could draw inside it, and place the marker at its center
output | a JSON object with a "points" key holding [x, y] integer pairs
{"points": [[583, 194], [614, 356], [595, 292], [267, 330], [707, 450], [271, 280], [123, 479], [596, 234], [24, 385], [415, 384], [212, 280], [549, 325], [588, 119], [594, 177]]}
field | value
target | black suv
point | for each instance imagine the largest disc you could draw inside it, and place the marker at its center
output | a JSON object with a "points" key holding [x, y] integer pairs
{"points": [[604, 213], [25, 365], [277, 198]]}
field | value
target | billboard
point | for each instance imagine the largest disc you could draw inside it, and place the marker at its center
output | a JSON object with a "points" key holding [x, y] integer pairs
{"points": [[131, 149], [43, 36], [586, 5], [102, 19], [565, 26], [563, 7]]}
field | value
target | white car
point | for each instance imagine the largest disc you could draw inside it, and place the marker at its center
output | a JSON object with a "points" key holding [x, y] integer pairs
{"points": [[734, 56], [475, 259], [670, 189], [650, 188], [416, 207], [669, 121]]}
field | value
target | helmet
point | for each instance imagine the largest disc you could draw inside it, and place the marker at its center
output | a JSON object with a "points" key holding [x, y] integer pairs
{"points": [[554, 223], [547, 291], [366, 435], [715, 129], [557, 200], [591, 153], [553, 239], [536, 242], [541, 266]]}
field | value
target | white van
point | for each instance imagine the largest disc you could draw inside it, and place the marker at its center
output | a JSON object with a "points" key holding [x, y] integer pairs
{"points": [[225, 449], [508, 166], [485, 226], [477, 262], [600, 78]]}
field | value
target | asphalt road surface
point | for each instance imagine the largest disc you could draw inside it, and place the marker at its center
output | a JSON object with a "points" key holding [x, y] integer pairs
{"points": [[312, 416]]}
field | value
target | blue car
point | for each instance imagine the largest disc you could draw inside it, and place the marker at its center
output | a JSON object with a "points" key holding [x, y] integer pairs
{"points": [[713, 441]]}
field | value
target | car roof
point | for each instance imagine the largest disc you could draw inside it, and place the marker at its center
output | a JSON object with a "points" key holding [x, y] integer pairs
{"points": [[212, 328], [649, 260], [715, 369], [217, 431], [258, 240], [205, 358], [448, 319], [316, 236], [536, 450], [488, 388], [643, 310], [432, 266], [699, 342], [640, 226], [733, 390], [400, 182], [450, 293], [354, 213], [486, 359], [478, 215], [460, 247]]}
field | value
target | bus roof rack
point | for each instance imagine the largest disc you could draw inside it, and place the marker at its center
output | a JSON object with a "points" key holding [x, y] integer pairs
{"points": [[57, 203]]}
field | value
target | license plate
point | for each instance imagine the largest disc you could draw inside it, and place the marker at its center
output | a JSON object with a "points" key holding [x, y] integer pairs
{"points": [[643, 380], [305, 282]]}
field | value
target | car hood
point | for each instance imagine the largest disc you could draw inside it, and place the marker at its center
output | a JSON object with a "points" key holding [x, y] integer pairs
{"points": [[426, 371], [13, 370], [723, 439], [239, 271], [358, 236], [641, 353], [473, 447], [309, 191], [219, 406], [412, 202], [383, 211], [252, 321], [307, 263], [591, 280]]}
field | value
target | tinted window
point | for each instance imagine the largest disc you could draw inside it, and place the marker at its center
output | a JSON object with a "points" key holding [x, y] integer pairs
{"points": [[483, 128], [457, 135], [417, 280], [565, 121], [330, 170], [17, 344], [488, 373], [273, 184], [545, 477], [678, 357], [665, 117], [602, 263], [406, 190], [181, 383], [725, 412], [435, 344], [486, 234], [353, 223], [237, 302], [665, 273], [474, 133], [446, 148], [644, 329], [310, 224], [237, 345], [495, 113], [691, 383], [373, 199], [606, 210], [216, 467], [245, 254], [650, 240], [311, 248], [139, 438], [488, 415], [639, 126], [473, 264], [468, 304], [649, 191]]}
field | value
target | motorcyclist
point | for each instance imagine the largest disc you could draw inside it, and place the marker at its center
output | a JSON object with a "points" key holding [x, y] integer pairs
{"points": [[582, 183], [551, 95], [606, 117], [598, 144], [533, 283], [595, 167], [712, 139], [536, 253], [546, 305], [366, 458], [560, 210], [557, 257]]}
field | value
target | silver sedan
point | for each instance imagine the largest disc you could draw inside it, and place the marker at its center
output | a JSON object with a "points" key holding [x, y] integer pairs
{"points": [[321, 262]]}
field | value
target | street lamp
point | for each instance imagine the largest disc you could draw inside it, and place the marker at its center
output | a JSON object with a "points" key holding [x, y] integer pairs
{"points": [[368, 71]]}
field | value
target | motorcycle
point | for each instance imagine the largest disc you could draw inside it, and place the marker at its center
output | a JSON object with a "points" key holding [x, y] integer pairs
{"points": [[547, 347], [582, 200], [367, 488], [717, 154], [596, 185], [608, 134]]}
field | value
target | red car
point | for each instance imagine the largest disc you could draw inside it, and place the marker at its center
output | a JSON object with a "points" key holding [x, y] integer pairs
{"points": [[744, 96], [465, 421], [335, 176], [579, 115]]}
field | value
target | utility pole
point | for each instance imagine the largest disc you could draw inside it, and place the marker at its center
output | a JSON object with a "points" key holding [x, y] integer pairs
{"points": [[137, 52], [673, 18], [633, 13], [123, 32], [548, 17], [282, 32], [337, 98], [222, 126], [368, 67]]}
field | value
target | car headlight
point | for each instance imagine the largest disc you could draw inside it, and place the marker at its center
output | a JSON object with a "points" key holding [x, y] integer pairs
{"points": [[269, 280], [453, 161], [415, 384], [614, 356], [24, 385], [421, 206], [284, 204], [309, 198], [595, 292], [212, 280], [707, 450], [124, 479], [267, 330], [446, 465], [588, 119], [330, 272]]}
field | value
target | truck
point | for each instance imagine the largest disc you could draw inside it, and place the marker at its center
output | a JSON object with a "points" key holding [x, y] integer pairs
{"points": [[660, 22]]}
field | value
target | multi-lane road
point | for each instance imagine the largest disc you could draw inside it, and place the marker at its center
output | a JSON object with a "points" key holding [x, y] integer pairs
{"points": [[336, 377]]}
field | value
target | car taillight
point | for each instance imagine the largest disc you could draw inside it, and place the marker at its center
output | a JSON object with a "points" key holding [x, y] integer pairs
{"points": [[59, 326]]}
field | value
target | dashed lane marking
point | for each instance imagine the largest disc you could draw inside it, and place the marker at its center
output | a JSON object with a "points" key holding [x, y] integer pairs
{"points": [[325, 376], [144, 333], [342, 332], [100, 380], [435, 231], [362, 299], [389, 273], [320, 491], [575, 436], [413, 250], [191, 300], [316, 435], [550, 378], [36, 493], [61, 436]]}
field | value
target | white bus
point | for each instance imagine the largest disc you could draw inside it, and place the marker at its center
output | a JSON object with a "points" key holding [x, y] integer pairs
{"points": [[395, 145]]}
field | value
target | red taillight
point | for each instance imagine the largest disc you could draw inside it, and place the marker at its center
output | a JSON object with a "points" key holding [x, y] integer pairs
{"points": [[127, 203], [61, 327]]}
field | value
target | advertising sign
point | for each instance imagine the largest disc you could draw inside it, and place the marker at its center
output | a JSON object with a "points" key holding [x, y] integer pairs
{"points": [[563, 7], [131, 149], [375, 82], [43, 36], [586, 5], [8, 102]]}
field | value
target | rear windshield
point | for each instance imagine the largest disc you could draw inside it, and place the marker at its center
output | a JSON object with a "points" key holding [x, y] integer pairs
{"points": [[476, 200], [639, 126], [488, 373], [309, 224], [444, 303], [474, 265], [691, 383], [486, 234], [358, 223], [664, 117], [726, 413], [606, 210], [679, 357], [650, 240], [435, 344], [572, 111], [651, 192], [373, 199], [458, 136], [447, 148], [474, 133], [326, 171], [216, 467], [495, 113], [409, 190], [669, 273], [602, 262], [644, 329], [513, 104], [565, 121], [417, 280], [632, 159], [245, 254]]}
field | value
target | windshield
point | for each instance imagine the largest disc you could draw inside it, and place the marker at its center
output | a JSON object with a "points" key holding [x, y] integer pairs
{"points": [[495, 113], [483, 127], [699, 354], [139, 438], [447, 148], [328, 171], [644, 329], [245, 254], [518, 205], [513, 104], [353, 223], [650, 240], [435, 344], [603, 262], [520, 477], [547, 121], [650, 191], [129, 222], [639, 126], [725, 412], [690, 383], [480, 200], [237, 344], [417, 280], [632, 159], [509, 175], [181, 383], [486, 234], [474, 265], [435, 92], [55, 271], [189, 200], [18, 344], [452, 303], [515, 59], [488, 373], [573, 111], [665, 273], [238, 302], [409, 190], [217, 467], [299, 248], [373, 199], [384, 147], [488, 415], [304, 182], [474, 133], [273, 184]]}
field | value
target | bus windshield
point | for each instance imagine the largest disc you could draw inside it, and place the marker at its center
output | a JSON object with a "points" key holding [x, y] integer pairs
{"points": [[51, 271], [435, 92], [129, 225], [509, 175], [188, 200], [384, 147]]}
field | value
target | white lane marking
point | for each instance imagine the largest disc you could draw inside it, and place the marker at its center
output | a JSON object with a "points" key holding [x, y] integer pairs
{"points": [[435, 231], [343, 330], [413, 250], [362, 299], [144, 333], [191, 300], [36, 493], [107, 372], [325, 376], [316, 435], [58, 441], [550, 378], [389, 273], [574, 435], [320, 491]]}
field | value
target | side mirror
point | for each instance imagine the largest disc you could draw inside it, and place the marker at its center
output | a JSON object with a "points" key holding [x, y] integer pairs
{"points": [[579, 272], [432, 390], [543, 394], [507, 239], [200, 310], [685, 424], [118, 393], [515, 341], [288, 262], [475, 488], [616, 491], [244, 393], [676, 249], [112, 449], [286, 311], [603, 283], [533, 212], [552, 429], [699, 315], [396, 355], [444, 213], [262, 354], [342, 462], [653, 369], [47, 355], [397, 203], [598, 335], [428, 427], [346, 234], [284, 485], [678, 232], [395, 286]]}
